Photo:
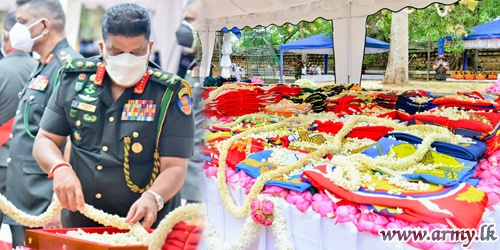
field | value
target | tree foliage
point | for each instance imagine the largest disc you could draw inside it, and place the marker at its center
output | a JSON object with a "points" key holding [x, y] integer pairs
{"points": [[438, 20]]}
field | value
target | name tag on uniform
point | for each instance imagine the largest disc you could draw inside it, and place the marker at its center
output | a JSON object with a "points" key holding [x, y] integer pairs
{"points": [[39, 83], [83, 106], [139, 110]]}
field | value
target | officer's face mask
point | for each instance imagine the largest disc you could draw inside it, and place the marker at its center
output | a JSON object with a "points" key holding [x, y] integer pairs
{"points": [[126, 69], [20, 36], [186, 35]]}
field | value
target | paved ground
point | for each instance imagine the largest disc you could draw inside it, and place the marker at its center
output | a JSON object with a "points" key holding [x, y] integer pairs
{"points": [[433, 86]]}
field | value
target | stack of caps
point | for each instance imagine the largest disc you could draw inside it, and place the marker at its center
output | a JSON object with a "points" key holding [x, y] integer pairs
{"points": [[470, 101], [287, 108], [234, 102], [276, 93], [317, 101], [347, 103], [387, 100], [413, 101], [331, 90], [354, 87]]}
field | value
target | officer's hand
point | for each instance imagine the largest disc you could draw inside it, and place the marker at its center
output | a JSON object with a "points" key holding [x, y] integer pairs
{"points": [[145, 207], [68, 189]]}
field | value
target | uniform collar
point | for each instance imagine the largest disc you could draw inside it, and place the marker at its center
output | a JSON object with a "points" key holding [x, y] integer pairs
{"points": [[60, 46], [16, 53]]}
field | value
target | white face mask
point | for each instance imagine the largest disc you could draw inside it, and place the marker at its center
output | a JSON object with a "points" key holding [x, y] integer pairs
{"points": [[126, 69], [20, 36]]}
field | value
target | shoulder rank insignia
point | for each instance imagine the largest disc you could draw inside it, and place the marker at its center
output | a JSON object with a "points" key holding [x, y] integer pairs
{"points": [[141, 85], [87, 98], [89, 64], [49, 58], [39, 83], [62, 53], [174, 78], [164, 77], [150, 72], [69, 63], [79, 64], [65, 58], [100, 74], [158, 74], [78, 86], [139, 110], [184, 102]]}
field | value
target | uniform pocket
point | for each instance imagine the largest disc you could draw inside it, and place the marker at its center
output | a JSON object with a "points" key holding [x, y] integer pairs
{"points": [[143, 140], [31, 167], [85, 129]]}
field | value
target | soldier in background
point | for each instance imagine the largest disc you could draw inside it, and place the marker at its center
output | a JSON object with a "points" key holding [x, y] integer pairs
{"points": [[15, 69], [39, 28]]}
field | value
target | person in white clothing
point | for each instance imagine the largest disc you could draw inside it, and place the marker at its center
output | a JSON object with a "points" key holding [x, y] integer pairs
{"points": [[237, 72], [304, 70], [318, 70], [243, 72], [311, 69]]}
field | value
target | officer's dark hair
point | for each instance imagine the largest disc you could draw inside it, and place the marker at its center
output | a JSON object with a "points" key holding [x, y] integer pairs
{"points": [[126, 19], [50, 9], [10, 20]]}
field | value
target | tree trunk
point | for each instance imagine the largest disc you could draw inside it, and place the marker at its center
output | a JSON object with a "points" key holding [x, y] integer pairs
{"points": [[429, 58], [476, 61], [302, 36], [397, 67]]}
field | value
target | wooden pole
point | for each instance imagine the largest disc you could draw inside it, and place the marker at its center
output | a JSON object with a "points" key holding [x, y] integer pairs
{"points": [[429, 58]]}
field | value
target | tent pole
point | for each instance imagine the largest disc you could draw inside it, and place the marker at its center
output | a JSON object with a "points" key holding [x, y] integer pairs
{"points": [[349, 54], [464, 62], [326, 64], [281, 66]]}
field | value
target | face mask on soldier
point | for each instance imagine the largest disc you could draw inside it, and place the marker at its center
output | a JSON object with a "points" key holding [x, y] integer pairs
{"points": [[126, 69], [20, 36]]}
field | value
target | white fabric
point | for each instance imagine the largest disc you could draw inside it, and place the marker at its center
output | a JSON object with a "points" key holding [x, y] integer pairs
{"points": [[308, 230], [482, 44], [319, 78], [241, 13], [225, 62]]}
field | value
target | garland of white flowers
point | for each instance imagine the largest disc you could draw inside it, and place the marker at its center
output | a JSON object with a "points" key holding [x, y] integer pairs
{"points": [[241, 119], [179, 214], [329, 147], [249, 232], [216, 92], [188, 212]]}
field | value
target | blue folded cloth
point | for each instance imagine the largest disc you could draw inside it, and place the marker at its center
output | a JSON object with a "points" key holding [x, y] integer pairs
{"points": [[451, 170], [256, 164], [468, 151]]}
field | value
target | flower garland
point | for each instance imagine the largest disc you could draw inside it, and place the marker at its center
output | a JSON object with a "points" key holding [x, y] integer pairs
{"points": [[188, 212], [243, 118], [331, 148], [156, 239], [249, 232], [247, 236], [25, 219], [216, 92]]}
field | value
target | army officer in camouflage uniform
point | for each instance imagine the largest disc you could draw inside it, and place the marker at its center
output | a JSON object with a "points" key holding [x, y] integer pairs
{"points": [[40, 28], [131, 128]]}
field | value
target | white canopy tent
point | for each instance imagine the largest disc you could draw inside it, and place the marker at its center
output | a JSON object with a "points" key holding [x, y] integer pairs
{"points": [[349, 20], [167, 17]]}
